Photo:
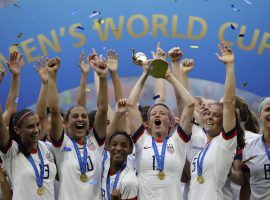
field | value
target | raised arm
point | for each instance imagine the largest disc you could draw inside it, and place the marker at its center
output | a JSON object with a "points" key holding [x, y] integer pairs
{"points": [[85, 67], [14, 66], [160, 84], [100, 124], [4, 135], [112, 63], [41, 110], [135, 119], [53, 100], [118, 122], [227, 57], [188, 101]]}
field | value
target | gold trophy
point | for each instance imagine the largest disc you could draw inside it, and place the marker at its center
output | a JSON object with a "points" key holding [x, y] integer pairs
{"points": [[157, 67]]}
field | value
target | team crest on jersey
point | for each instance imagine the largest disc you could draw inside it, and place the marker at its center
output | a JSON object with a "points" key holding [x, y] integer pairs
{"points": [[91, 146], [49, 157], [170, 148]]}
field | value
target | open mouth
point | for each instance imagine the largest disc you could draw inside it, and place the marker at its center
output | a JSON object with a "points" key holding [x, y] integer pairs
{"points": [[79, 126], [157, 122]]}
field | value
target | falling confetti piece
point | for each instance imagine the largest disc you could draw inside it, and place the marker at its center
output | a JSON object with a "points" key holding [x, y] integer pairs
{"points": [[101, 21], [194, 122], [66, 148], [19, 35], [95, 13], [244, 84], [74, 12], [16, 5], [17, 100], [194, 47], [115, 30], [87, 89], [96, 25], [80, 27], [104, 48], [234, 8], [16, 45], [232, 27], [156, 97], [248, 2], [241, 35]]}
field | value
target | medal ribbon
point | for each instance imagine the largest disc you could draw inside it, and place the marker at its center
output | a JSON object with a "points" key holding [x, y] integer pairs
{"points": [[160, 158], [39, 176], [201, 159], [108, 181], [82, 161], [266, 149]]}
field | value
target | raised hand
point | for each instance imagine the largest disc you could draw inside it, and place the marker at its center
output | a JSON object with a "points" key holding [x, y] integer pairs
{"points": [[53, 65], [160, 53], [116, 195], [2, 74], [42, 70], [100, 66], [112, 61], [84, 65], [175, 54], [187, 65], [227, 55], [122, 106], [14, 64]]}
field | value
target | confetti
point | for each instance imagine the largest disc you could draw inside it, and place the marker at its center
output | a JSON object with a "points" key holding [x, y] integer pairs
{"points": [[115, 30], [16, 44], [234, 8], [87, 89], [232, 27], [251, 157], [194, 122], [241, 35], [19, 35], [95, 13], [248, 2], [244, 84], [80, 27], [16, 5], [66, 148], [194, 46], [156, 97], [17, 100], [101, 21], [74, 12], [104, 48], [96, 25]]}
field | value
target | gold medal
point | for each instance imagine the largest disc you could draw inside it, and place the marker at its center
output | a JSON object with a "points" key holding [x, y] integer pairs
{"points": [[161, 175], [200, 179], [41, 190], [83, 178]]}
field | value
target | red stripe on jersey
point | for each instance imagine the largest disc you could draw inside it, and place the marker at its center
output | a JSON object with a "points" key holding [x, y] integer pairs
{"points": [[59, 142], [99, 140], [6, 148], [229, 135], [182, 134], [138, 134]]}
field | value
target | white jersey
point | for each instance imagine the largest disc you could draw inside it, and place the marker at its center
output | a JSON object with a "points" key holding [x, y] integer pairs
{"points": [[150, 186], [127, 184], [71, 187], [259, 167], [216, 166], [22, 174]]}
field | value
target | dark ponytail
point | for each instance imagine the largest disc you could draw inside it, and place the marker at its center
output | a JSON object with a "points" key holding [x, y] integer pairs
{"points": [[241, 143], [16, 120], [246, 115]]}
